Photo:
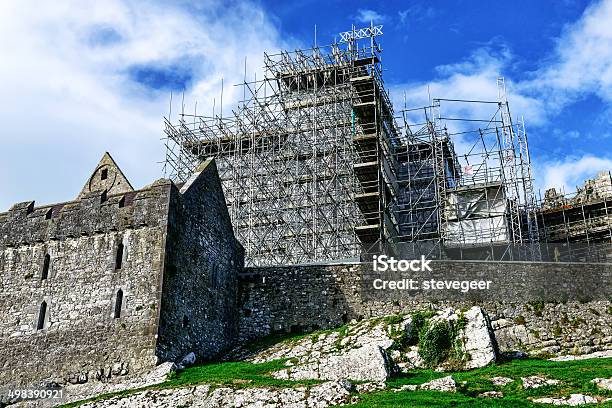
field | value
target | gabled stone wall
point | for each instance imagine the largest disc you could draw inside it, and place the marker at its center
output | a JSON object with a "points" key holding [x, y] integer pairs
{"points": [[111, 284], [199, 302], [81, 338]]}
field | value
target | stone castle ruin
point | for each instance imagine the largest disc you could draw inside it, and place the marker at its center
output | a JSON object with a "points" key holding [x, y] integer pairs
{"points": [[104, 288], [117, 280], [313, 166]]}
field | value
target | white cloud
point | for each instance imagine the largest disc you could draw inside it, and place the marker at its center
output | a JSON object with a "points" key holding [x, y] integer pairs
{"points": [[416, 12], [367, 16], [570, 173], [581, 63], [67, 80], [579, 66]]}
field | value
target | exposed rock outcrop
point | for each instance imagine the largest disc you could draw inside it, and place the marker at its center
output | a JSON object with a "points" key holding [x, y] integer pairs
{"points": [[371, 350], [572, 401], [536, 381], [603, 383], [320, 396], [444, 384]]}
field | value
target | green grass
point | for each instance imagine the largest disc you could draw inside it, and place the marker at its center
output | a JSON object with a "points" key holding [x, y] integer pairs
{"points": [[236, 374], [239, 374], [574, 375]]}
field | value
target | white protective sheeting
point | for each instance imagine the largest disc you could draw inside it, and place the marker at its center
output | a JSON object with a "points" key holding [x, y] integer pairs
{"points": [[476, 215], [477, 231]]}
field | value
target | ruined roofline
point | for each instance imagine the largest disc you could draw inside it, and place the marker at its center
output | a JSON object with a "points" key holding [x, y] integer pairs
{"points": [[20, 206], [92, 213]]}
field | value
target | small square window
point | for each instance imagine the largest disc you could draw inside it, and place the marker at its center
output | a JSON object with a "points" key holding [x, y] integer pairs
{"points": [[104, 174]]}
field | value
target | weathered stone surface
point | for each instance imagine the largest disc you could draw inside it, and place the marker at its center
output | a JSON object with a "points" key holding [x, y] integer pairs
{"points": [[90, 290], [370, 387], [501, 381], [363, 350], [90, 389], [597, 354], [603, 383], [366, 363], [572, 401], [282, 299], [444, 384], [478, 339], [359, 352], [491, 394], [536, 381], [320, 396]]}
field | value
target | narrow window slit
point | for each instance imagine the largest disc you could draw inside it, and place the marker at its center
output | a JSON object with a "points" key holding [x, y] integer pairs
{"points": [[119, 258], [45, 269], [42, 314], [118, 304]]}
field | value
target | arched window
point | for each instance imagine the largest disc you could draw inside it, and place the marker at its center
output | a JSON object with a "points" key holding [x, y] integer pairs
{"points": [[119, 257], [118, 304], [45, 269], [42, 314]]}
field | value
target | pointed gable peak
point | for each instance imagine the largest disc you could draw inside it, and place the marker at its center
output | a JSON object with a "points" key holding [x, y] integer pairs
{"points": [[108, 177]]}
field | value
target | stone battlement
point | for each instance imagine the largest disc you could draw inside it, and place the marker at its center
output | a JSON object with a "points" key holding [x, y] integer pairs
{"points": [[94, 213]]}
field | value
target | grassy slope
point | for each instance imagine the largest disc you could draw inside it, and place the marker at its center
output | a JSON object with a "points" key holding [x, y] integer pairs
{"points": [[575, 377], [234, 374]]}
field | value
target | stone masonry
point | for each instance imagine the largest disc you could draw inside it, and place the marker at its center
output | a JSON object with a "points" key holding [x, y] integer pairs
{"points": [[118, 280], [311, 297]]}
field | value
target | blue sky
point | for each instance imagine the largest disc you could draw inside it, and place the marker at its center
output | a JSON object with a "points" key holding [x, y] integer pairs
{"points": [[77, 81]]}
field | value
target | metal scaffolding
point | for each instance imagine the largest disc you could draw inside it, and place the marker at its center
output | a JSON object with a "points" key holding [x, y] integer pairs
{"points": [[302, 156], [479, 195], [315, 164]]}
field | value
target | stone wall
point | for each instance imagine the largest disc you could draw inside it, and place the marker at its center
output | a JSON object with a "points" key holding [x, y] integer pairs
{"points": [[125, 280], [199, 306], [306, 298], [81, 339]]}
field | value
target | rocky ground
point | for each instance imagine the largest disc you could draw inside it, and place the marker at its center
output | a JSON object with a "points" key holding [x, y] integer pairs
{"points": [[426, 359]]}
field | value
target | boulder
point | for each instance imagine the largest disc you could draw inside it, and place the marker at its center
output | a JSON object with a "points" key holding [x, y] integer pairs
{"points": [[478, 339], [444, 384], [366, 363], [603, 383], [536, 381], [188, 360], [572, 401]]}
